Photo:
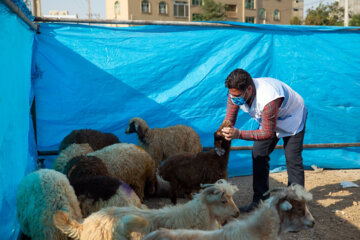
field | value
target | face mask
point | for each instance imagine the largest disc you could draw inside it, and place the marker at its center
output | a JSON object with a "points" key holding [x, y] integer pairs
{"points": [[238, 100]]}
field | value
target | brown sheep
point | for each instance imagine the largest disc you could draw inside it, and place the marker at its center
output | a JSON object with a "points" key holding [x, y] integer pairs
{"points": [[131, 164], [162, 143], [96, 139], [95, 188], [186, 171]]}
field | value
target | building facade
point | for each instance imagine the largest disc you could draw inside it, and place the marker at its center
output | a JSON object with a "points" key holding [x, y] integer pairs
{"points": [[298, 9], [252, 11], [354, 6]]}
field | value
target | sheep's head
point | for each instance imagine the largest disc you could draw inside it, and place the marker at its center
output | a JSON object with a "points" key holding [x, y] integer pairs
{"points": [[130, 227], [218, 198], [291, 204], [137, 125], [219, 139]]}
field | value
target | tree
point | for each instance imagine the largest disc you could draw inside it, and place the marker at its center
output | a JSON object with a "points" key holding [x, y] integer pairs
{"points": [[212, 11], [295, 21], [326, 14], [355, 20]]}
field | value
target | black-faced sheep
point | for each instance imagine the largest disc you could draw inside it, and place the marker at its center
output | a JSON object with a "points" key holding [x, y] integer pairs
{"points": [[284, 212], [162, 143], [131, 164], [94, 187], [186, 171], [96, 139], [39, 196], [212, 206], [68, 153], [103, 226]]}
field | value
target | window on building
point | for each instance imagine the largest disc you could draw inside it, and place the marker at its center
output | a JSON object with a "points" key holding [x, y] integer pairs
{"points": [[230, 7], [249, 4], [262, 13], [145, 6], [181, 9], [296, 9], [276, 15], [117, 8], [249, 19], [196, 2], [163, 8]]}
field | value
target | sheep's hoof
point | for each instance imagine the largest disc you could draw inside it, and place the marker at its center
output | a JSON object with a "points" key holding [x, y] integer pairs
{"points": [[173, 200]]}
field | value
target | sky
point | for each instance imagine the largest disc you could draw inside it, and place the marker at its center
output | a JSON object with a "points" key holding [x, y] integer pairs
{"points": [[80, 7]]}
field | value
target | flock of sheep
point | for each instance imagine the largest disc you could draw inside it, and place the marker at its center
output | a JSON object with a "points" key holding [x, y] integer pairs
{"points": [[97, 186]]}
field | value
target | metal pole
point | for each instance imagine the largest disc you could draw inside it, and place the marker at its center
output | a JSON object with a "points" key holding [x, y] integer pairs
{"points": [[20, 14], [189, 10], [132, 22], [240, 148], [318, 145], [89, 9], [346, 13]]}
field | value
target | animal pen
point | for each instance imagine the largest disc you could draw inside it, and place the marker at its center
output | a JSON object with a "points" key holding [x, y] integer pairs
{"points": [[61, 76]]}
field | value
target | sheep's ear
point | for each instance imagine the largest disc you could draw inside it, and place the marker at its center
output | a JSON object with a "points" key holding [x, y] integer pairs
{"points": [[285, 206], [215, 197], [220, 152], [131, 127], [140, 131]]}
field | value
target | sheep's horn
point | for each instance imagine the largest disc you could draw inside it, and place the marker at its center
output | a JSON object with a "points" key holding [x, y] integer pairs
{"points": [[274, 190], [206, 185]]}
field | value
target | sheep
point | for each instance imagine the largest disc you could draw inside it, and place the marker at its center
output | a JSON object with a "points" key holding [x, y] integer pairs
{"points": [[95, 188], [39, 195], [96, 139], [206, 211], [131, 164], [162, 143], [284, 212], [186, 171], [103, 226], [68, 153]]}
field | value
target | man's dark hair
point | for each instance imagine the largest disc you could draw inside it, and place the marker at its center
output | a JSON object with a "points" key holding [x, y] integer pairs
{"points": [[239, 79]]}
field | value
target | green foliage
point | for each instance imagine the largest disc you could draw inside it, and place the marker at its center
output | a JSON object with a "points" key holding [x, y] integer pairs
{"points": [[212, 11], [355, 20], [295, 21], [326, 14]]}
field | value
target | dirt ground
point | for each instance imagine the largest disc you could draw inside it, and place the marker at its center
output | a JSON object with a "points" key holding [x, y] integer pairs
{"points": [[335, 209]]}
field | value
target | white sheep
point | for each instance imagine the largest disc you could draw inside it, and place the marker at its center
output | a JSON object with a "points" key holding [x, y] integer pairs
{"points": [[207, 210], [103, 226], [68, 153], [131, 164], [284, 212], [41, 194], [162, 143], [95, 188]]}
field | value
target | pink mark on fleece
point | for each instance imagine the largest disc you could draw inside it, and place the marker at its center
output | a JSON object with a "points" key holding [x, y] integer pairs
{"points": [[127, 189]]}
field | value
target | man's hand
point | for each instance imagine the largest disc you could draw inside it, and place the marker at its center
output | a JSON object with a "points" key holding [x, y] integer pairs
{"points": [[230, 133]]}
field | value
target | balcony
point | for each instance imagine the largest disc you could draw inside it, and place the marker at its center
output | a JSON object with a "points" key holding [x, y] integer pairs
{"points": [[231, 14]]}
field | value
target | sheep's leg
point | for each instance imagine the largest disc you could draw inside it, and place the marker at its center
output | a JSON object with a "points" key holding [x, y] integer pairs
{"points": [[139, 190], [173, 193]]}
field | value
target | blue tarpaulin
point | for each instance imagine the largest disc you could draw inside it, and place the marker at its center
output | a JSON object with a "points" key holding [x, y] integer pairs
{"points": [[17, 156], [99, 77]]}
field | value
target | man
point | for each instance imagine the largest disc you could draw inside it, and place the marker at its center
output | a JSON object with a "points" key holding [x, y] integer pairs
{"points": [[281, 113]]}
